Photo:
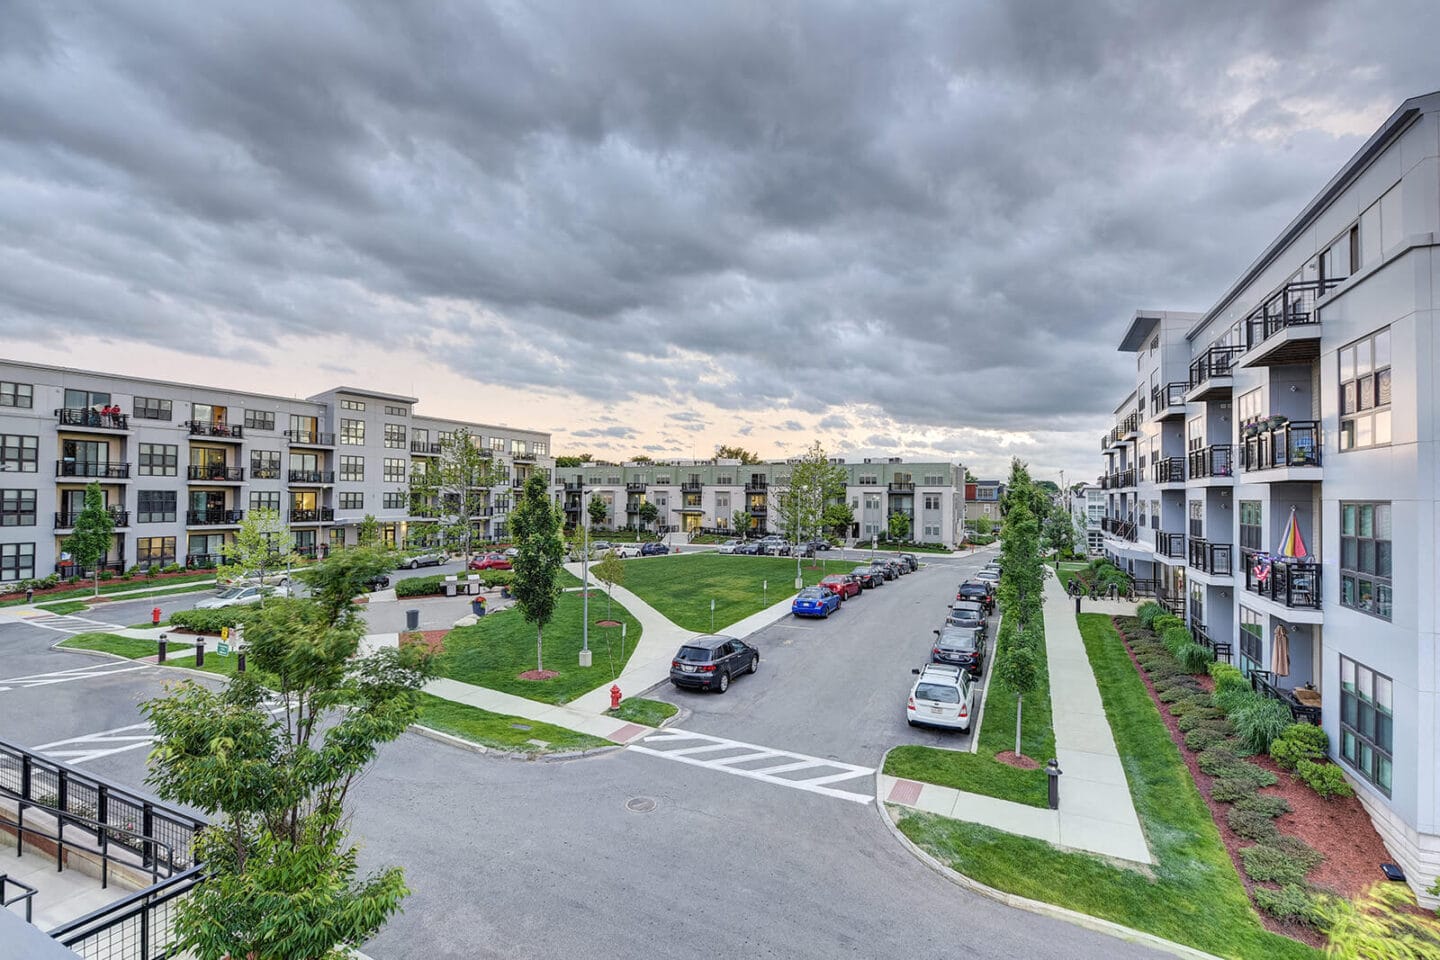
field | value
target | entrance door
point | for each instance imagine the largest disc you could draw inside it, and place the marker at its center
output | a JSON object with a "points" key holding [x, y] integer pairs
{"points": [[693, 522]]}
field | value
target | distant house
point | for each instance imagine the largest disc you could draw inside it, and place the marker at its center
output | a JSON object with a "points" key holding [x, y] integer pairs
{"points": [[982, 499]]}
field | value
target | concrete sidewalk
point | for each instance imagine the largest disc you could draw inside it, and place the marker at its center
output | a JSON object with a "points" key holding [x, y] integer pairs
{"points": [[1096, 812]]}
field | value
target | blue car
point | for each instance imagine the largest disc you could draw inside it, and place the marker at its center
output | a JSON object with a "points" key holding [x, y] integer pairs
{"points": [[815, 602]]}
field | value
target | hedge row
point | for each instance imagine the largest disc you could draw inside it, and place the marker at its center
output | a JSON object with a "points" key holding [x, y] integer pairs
{"points": [[429, 586]]}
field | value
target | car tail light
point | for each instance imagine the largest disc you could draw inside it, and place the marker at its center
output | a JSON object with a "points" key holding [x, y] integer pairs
{"points": [[911, 704], [708, 668], [674, 663], [935, 651], [964, 712]]}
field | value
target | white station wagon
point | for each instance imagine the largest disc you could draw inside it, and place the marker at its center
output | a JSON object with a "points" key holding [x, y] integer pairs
{"points": [[943, 696]]}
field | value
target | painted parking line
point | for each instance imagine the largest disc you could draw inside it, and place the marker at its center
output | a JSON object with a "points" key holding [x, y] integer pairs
{"points": [[682, 746], [68, 624], [66, 676], [105, 743]]}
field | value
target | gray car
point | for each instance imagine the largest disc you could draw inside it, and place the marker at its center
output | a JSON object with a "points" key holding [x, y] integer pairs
{"points": [[708, 663], [965, 613], [424, 560]]}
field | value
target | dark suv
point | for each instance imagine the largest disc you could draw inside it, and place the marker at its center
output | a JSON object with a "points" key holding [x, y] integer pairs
{"points": [[654, 550], [964, 613], [868, 576], [885, 568], [977, 591], [709, 663], [911, 561], [962, 646]]}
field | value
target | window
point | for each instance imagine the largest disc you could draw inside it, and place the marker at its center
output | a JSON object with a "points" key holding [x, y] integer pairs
{"points": [[19, 454], [397, 411], [265, 500], [156, 506], [264, 464], [932, 529], [304, 429], [1252, 640], [148, 408], [159, 459], [1250, 406], [1140, 513], [352, 501], [1195, 434], [16, 394], [353, 405], [538, 447], [868, 479], [259, 420], [154, 551], [1197, 603], [1197, 518], [1365, 558], [1367, 725], [1155, 514], [352, 432], [499, 444], [1365, 392], [80, 399], [17, 562], [872, 501], [17, 508], [394, 470], [932, 501], [352, 468], [395, 501], [395, 436], [935, 480], [445, 436], [1250, 529]]}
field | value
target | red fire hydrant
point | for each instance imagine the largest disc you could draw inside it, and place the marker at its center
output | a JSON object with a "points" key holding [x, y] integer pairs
{"points": [[155, 616], [614, 696]]}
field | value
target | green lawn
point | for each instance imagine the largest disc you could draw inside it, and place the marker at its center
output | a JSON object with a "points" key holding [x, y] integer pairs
{"points": [[1195, 897], [1066, 570], [77, 606], [682, 586], [499, 731], [64, 606], [82, 590], [502, 645], [110, 643], [652, 713]]}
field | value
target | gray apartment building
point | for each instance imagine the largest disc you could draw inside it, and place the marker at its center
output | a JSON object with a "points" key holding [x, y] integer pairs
{"points": [[181, 464], [1274, 475], [695, 495]]}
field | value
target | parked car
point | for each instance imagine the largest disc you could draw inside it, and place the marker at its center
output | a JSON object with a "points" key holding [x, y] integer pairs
{"points": [[774, 547], [622, 550], [709, 663], [911, 560], [962, 646], [748, 549], [378, 582], [942, 697], [885, 568], [511, 552], [868, 577], [843, 585], [817, 544], [803, 550], [491, 561], [966, 613], [814, 602], [241, 596], [988, 576], [424, 560], [729, 546], [252, 578], [654, 550], [979, 592]]}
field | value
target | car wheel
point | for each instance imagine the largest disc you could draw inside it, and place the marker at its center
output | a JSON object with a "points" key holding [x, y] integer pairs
{"points": [[755, 663], [414, 565], [724, 682], [909, 721]]}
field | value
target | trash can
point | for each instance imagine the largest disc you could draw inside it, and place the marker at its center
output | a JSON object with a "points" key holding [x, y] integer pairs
{"points": [[412, 619], [477, 606]]}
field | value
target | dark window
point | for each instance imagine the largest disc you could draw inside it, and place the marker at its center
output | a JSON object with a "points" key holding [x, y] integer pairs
{"points": [[1367, 725], [265, 500], [394, 501], [937, 692], [259, 420], [395, 436], [264, 464], [158, 459], [1365, 392], [148, 408], [352, 432], [17, 508], [1250, 519], [352, 501], [154, 551], [352, 468], [693, 655], [16, 394], [19, 454], [1365, 558], [156, 506], [80, 399], [1251, 641], [17, 562], [394, 470]]}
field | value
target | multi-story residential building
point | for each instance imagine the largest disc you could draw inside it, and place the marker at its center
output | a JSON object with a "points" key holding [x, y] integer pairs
{"points": [[695, 495], [1302, 403], [982, 499], [1088, 509], [181, 464]]}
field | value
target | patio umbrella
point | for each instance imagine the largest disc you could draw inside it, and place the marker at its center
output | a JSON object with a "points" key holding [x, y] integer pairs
{"points": [[1280, 653], [1291, 544]]}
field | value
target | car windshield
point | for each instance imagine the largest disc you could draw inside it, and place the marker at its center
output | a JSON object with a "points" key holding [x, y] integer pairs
{"points": [[861, 570], [937, 692], [812, 593], [694, 654], [966, 615], [232, 594], [953, 641]]}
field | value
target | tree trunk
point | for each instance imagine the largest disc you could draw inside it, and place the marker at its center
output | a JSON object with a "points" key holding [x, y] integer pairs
{"points": [[1019, 702], [539, 637], [97, 578]]}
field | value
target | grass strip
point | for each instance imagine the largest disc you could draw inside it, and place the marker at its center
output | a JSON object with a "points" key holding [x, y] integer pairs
{"points": [[652, 713], [110, 586], [127, 647], [500, 731], [1194, 896]]}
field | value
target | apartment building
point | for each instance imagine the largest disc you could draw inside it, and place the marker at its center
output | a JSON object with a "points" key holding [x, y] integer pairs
{"points": [[1088, 508], [181, 464], [982, 499], [1284, 488], [696, 495]]}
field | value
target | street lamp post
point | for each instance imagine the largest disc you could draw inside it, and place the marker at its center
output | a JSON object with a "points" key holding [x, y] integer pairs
{"points": [[585, 656]]}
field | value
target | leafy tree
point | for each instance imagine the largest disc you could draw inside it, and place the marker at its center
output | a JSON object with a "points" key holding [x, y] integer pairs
{"points": [[649, 513], [898, 526], [1019, 670], [454, 488], [535, 526], [641, 458], [741, 519], [335, 584], [1047, 486], [598, 509], [1059, 532], [368, 533], [573, 461], [838, 518], [984, 525], [94, 533], [724, 452], [284, 881], [609, 571], [262, 543], [970, 477], [799, 503]]}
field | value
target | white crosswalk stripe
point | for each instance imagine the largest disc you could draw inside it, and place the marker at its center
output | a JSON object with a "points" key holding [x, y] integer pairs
{"points": [[68, 624], [90, 672], [93, 746], [696, 749]]}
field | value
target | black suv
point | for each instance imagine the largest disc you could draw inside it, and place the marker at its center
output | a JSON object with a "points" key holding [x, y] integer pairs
{"points": [[911, 561], [708, 663], [885, 568], [654, 550], [869, 577], [977, 591], [962, 646]]}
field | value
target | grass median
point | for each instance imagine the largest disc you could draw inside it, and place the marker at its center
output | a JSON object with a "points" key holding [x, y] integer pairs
{"points": [[499, 731], [651, 713], [1194, 896], [107, 587]]}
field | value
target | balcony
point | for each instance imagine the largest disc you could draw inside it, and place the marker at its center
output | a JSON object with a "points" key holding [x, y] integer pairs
{"points": [[1263, 683], [92, 470], [203, 561], [1126, 477], [213, 518], [520, 456], [1105, 441], [633, 506], [1294, 584], [65, 520], [1170, 545], [1169, 470], [83, 418], [309, 438], [692, 486], [1129, 428], [317, 515], [424, 449], [1118, 527], [1214, 461], [758, 510], [216, 429], [517, 483], [635, 486], [1290, 446], [312, 477], [1212, 374], [574, 486], [214, 473], [901, 488], [1286, 328], [1211, 558], [1169, 400], [756, 485]]}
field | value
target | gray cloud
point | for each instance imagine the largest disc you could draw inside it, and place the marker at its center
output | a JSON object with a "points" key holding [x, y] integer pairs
{"points": [[620, 433]]}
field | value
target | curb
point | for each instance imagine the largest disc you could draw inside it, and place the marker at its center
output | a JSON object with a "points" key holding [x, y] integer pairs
{"points": [[1096, 924], [464, 744]]}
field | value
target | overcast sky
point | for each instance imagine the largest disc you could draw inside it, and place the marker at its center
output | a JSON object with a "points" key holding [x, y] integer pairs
{"points": [[907, 229]]}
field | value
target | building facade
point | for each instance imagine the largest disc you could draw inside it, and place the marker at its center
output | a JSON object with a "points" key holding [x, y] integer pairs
{"points": [[707, 495], [982, 499], [181, 464], [1274, 477], [1088, 511]]}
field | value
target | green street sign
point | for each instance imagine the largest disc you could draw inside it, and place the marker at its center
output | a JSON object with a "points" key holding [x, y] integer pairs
{"points": [[223, 649]]}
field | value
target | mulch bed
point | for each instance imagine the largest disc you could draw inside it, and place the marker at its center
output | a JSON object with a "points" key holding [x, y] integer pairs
{"points": [[1018, 760], [1339, 828], [433, 639], [539, 675]]}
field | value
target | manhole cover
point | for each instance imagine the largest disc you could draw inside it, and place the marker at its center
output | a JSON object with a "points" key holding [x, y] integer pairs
{"points": [[640, 804]]}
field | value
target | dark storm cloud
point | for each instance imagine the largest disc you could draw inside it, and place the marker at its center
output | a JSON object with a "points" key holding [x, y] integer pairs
{"points": [[945, 210]]}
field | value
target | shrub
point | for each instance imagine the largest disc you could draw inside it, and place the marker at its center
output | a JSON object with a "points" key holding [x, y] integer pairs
{"points": [[107, 575], [1251, 824], [1325, 779], [1231, 699], [1173, 691], [1283, 859], [1291, 902], [1220, 761], [1165, 621], [1264, 803], [1231, 791], [1259, 722], [1382, 922], [1175, 638], [1200, 715], [1193, 657], [172, 568], [1201, 738], [420, 586], [1147, 612], [208, 621], [1299, 741], [1227, 676]]}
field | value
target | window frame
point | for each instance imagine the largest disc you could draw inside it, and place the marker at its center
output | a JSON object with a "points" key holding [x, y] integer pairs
{"points": [[13, 565], [1355, 417], [347, 470], [1254, 658], [14, 509], [352, 432], [1362, 752], [27, 452], [162, 514], [146, 460], [259, 419], [395, 436], [13, 394], [152, 408], [1381, 553], [351, 500]]}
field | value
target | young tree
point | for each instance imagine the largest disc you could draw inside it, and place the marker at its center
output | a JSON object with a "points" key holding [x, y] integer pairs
{"points": [[454, 489], [838, 518], [368, 533], [609, 571], [94, 533], [649, 513], [984, 525], [1019, 670], [573, 461], [598, 509], [970, 477], [799, 503], [741, 519], [536, 526], [1059, 532], [724, 452], [898, 526], [262, 543]]}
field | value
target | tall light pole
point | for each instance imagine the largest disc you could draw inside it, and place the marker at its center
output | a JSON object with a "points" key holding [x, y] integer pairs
{"points": [[585, 656]]}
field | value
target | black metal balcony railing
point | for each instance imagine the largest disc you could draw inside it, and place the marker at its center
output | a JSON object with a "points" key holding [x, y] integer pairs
{"points": [[1119, 527], [759, 510], [1293, 444], [1212, 558], [756, 485], [1214, 362], [263, 473], [1127, 477], [901, 487], [574, 486], [1292, 306], [1130, 424], [317, 515], [65, 520], [215, 472], [1169, 470], [312, 476], [1291, 583], [1170, 544], [91, 419], [214, 428], [1263, 683], [310, 438], [1169, 398], [203, 560], [1213, 461], [691, 486], [635, 486], [521, 456], [92, 470], [201, 518], [428, 449], [517, 483], [1105, 440]]}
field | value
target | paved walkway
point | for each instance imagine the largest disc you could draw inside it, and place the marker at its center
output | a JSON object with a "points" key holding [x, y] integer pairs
{"points": [[1096, 812]]}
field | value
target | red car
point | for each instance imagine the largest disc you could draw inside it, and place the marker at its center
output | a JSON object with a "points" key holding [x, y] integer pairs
{"points": [[841, 585], [491, 561]]}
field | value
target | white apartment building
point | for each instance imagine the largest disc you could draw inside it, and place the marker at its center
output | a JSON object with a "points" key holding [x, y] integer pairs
{"points": [[1307, 390], [180, 465], [1088, 510]]}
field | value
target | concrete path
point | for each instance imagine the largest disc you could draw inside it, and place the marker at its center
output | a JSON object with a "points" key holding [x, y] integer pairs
{"points": [[1096, 811]]}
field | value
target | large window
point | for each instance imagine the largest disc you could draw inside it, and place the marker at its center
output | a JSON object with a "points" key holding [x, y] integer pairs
{"points": [[1197, 518], [19, 454], [394, 470], [159, 459], [156, 506], [154, 551], [352, 468], [149, 408], [932, 501], [395, 436], [394, 501], [17, 562], [259, 420], [17, 508], [1252, 641], [264, 464], [1365, 557], [265, 500], [352, 501], [1251, 535], [352, 432], [16, 394], [1367, 725], [1365, 392], [1250, 406]]}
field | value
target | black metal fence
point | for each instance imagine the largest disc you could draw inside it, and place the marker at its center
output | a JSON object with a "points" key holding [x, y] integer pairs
{"points": [[139, 927]]}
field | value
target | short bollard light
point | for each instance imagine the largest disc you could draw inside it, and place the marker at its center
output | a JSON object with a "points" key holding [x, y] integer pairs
{"points": [[160, 653], [1053, 771], [200, 652], [240, 662]]}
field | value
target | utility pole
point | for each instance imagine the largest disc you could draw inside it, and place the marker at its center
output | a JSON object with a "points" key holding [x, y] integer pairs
{"points": [[585, 656]]}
